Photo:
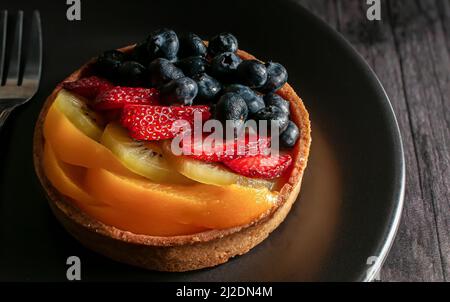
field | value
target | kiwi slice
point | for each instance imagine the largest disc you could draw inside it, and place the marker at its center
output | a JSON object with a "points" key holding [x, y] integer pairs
{"points": [[75, 109], [143, 158]]}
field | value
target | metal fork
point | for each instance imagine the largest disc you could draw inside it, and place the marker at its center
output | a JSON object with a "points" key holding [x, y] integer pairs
{"points": [[20, 81]]}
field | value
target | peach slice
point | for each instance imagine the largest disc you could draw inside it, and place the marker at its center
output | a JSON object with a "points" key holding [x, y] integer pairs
{"points": [[136, 223], [74, 147], [201, 205], [68, 180]]}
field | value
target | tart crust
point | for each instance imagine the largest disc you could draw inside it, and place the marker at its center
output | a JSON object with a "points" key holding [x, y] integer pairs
{"points": [[175, 253]]}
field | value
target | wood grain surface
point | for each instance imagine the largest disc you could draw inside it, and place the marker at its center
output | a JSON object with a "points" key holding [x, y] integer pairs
{"points": [[409, 51]]}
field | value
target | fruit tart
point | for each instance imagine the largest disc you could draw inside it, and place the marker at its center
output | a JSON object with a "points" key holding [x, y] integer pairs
{"points": [[173, 154]]}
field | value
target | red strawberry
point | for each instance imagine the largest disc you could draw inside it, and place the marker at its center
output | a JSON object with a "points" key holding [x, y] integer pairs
{"points": [[260, 166], [157, 122], [89, 87], [118, 97], [217, 151]]}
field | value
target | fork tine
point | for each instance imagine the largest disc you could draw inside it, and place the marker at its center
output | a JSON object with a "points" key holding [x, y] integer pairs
{"points": [[3, 24], [16, 52], [33, 63]]}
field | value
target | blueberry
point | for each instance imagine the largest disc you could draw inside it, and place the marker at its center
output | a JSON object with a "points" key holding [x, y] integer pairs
{"points": [[231, 107], [212, 109], [208, 88], [163, 43], [109, 62], [273, 99], [193, 65], [277, 76], [252, 73], [191, 45], [224, 42], [140, 53], [254, 101], [275, 114], [224, 65], [180, 91], [163, 71], [132, 73], [290, 136]]}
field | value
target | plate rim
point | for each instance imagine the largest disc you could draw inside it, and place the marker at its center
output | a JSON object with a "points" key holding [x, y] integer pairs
{"points": [[399, 169]]}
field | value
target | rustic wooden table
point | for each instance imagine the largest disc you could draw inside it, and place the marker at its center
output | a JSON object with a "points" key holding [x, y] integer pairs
{"points": [[409, 51]]}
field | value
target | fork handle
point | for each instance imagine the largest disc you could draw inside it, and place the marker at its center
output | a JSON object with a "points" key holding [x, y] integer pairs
{"points": [[4, 113]]}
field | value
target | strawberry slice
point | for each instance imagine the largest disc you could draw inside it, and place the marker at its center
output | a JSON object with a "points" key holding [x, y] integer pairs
{"points": [[89, 87], [157, 122], [260, 166], [118, 97], [207, 149]]}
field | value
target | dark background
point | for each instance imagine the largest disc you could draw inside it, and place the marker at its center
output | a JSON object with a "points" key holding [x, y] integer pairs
{"points": [[408, 49]]}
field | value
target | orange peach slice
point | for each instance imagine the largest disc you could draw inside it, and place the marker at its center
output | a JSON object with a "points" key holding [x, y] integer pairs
{"points": [[136, 223], [68, 180], [206, 206], [74, 147]]}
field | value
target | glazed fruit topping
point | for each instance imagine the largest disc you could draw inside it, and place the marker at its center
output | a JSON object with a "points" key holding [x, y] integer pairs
{"points": [[261, 166], [252, 73], [224, 66], [192, 66], [132, 74], [163, 43], [158, 122], [118, 97], [273, 99], [290, 136], [89, 87], [192, 45], [109, 62], [231, 107], [206, 149], [167, 78], [143, 158], [140, 53], [210, 173], [163, 71], [181, 91], [274, 116], [89, 122], [277, 76], [224, 42], [253, 100], [208, 88]]}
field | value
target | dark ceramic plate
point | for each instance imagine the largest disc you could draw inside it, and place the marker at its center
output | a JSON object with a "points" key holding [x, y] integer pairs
{"points": [[351, 198]]}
